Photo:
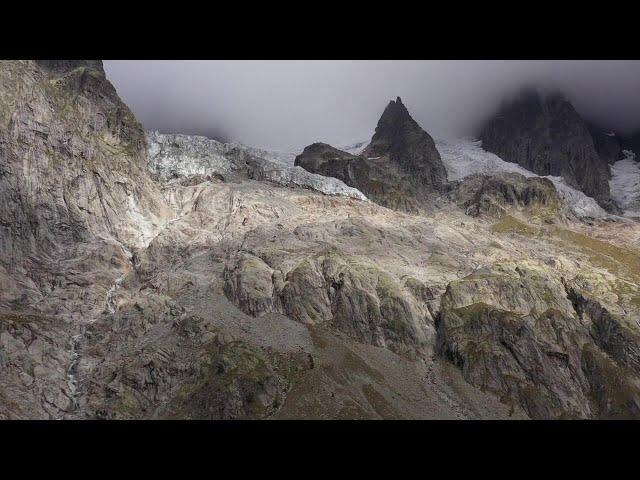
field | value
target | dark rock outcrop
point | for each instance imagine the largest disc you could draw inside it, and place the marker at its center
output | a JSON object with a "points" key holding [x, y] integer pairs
{"points": [[401, 167], [632, 143], [190, 370], [495, 195], [547, 136], [608, 144], [399, 139]]}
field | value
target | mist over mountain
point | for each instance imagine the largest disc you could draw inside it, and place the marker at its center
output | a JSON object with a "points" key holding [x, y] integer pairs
{"points": [[285, 104], [148, 275]]}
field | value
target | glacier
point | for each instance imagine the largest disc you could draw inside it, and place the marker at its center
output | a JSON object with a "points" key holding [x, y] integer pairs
{"points": [[180, 156], [625, 184], [465, 156]]}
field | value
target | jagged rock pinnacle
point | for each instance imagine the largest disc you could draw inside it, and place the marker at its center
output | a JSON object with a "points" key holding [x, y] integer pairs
{"points": [[400, 152]]}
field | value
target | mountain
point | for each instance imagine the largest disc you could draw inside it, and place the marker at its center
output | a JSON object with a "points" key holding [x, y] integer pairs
{"points": [[547, 136], [78, 202], [607, 144], [632, 143], [166, 276], [74, 184], [400, 168]]}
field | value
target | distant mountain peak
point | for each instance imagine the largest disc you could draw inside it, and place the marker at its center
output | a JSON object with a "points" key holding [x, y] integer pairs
{"points": [[398, 169], [546, 135]]}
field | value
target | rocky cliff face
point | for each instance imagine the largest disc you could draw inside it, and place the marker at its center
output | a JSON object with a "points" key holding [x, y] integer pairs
{"points": [[74, 184], [401, 167], [548, 137], [631, 143], [77, 201], [202, 280], [514, 330], [607, 144]]}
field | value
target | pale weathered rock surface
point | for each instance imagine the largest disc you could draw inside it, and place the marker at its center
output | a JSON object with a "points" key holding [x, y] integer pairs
{"points": [[204, 280]]}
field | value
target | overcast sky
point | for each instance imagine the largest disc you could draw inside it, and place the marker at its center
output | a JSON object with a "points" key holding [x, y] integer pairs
{"points": [[290, 104]]}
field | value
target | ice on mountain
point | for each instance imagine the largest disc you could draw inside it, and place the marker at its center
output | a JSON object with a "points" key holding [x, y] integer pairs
{"points": [[178, 156], [464, 157], [625, 184]]}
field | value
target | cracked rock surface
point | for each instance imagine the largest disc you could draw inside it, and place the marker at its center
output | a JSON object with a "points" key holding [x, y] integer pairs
{"points": [[172, 277]]}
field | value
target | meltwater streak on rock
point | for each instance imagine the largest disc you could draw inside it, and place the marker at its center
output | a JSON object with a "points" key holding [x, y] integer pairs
{"points": [[72, 381]]}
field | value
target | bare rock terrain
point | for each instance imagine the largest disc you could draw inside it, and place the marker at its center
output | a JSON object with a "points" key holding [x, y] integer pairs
{"points": [[149, 276]]}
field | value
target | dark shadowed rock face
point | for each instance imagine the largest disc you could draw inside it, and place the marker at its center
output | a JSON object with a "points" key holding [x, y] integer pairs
{"points": [[400, 139], [401, 168], [632, 143], [548, 137], [608, 145]]}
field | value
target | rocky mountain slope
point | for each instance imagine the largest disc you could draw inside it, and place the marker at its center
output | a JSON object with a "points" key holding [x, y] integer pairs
{"points": [[547, 136], [400, 168], [196, 279]]}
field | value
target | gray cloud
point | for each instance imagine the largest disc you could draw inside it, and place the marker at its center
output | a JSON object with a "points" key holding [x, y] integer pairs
{"points": [[285, 104]]}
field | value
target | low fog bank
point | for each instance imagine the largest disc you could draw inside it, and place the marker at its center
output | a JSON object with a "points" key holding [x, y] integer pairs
{"points": [[289, 104]]}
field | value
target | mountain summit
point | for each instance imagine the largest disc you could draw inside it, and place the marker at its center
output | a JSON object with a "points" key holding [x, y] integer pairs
{"points": [[547, 136], [167, 276], [404, 142], [401, 167]]}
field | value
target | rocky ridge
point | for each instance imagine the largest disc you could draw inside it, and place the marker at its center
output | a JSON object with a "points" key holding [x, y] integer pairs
{"points": [[545, 135], [400, 168], [249, 299]]}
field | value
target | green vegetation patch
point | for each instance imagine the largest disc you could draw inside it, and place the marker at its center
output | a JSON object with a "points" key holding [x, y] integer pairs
{"points": [[509, 224]]}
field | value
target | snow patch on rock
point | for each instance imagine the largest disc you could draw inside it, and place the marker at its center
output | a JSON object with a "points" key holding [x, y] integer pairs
{"points": [[174, 156], [625, 184], [464, 157], [298, 176]]}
